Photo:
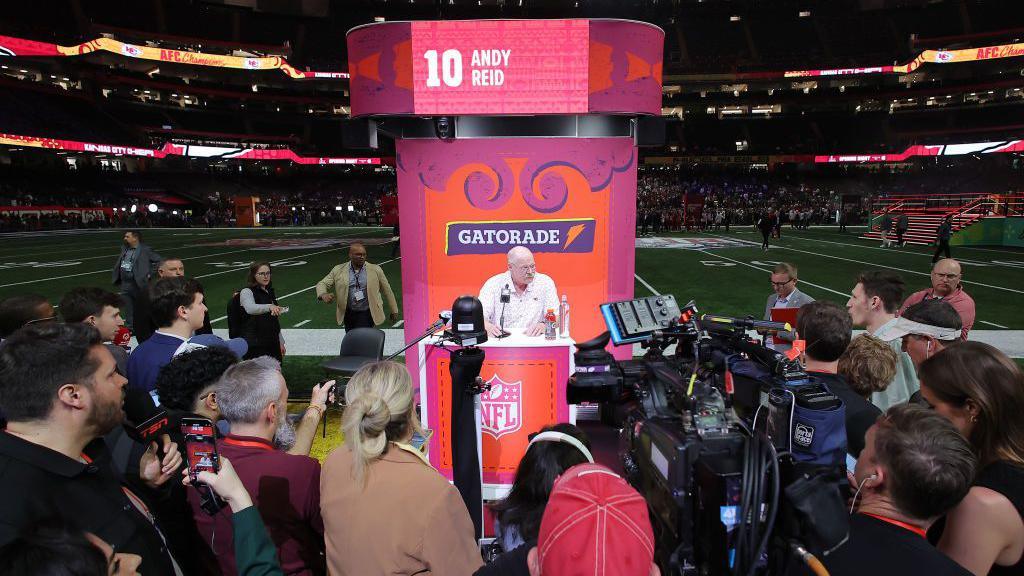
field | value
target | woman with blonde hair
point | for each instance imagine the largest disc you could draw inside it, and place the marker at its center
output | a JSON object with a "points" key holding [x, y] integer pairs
{"points": [[868, 365], [385, 509]]}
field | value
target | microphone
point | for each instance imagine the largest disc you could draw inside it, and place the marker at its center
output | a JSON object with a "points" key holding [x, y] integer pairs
{"points": [[442, 320], [146, 422], [506, 297], [748, 323]]}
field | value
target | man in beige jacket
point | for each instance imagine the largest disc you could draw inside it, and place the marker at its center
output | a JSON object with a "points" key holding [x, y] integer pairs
{"points": [[356, 286]]}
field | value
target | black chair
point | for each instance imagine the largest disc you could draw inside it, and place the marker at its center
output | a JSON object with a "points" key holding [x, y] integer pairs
{"points": [[359, 346]]}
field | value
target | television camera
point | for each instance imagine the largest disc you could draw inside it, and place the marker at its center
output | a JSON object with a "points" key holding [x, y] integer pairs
{"points": [[739, 453]]}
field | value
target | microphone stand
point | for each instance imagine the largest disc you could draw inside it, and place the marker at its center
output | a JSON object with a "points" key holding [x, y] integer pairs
{"points": [[430, 330], [505, 297]]}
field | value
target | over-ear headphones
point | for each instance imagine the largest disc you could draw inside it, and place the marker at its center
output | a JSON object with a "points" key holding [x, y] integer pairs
{"points": [[553, 436]]}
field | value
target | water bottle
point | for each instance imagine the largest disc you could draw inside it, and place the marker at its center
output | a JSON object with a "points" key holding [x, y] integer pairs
{"points": [[563, 317], [550, 325]]}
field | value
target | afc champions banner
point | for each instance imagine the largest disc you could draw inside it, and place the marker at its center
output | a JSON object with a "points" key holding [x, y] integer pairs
{"points": [[463, 204]]}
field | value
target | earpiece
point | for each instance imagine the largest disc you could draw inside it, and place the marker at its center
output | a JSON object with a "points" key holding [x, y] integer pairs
{"points": [[853, 503]]}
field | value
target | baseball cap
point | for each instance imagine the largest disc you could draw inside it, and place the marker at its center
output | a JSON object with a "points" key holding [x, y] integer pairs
{"points": [[595, 523], [237, 346], [902, 326]]}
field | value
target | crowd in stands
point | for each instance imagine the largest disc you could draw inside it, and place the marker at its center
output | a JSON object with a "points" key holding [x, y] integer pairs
{"points": [[671, 202], [668, 198]]}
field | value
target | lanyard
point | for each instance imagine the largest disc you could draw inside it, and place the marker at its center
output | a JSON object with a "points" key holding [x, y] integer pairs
{"points": [[248, 444], [919, 531]]}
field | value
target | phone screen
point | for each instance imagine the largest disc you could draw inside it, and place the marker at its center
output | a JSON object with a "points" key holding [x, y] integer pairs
{"points": [[200, 446]]}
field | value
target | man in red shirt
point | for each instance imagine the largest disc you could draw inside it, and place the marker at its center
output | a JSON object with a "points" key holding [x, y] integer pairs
{"points": [[947, 285], [252, 396]]}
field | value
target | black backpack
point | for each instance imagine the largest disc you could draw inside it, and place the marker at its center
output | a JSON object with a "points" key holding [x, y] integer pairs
{"points": [[237, 317]]}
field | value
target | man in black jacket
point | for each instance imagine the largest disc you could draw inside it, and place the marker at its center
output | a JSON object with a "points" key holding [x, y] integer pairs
{"points": [[942, 236], [915, 467], [826, 327], [132, 270], [62, 393]]}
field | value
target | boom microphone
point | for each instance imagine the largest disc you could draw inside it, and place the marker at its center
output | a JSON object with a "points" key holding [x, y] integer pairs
{"points": [[747, 323]]}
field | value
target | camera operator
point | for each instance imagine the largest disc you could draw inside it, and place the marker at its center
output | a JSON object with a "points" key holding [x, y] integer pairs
{"points": [[826, 328], [914, 468]]}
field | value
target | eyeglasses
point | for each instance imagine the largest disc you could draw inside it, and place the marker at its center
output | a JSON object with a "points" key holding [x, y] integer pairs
{"points": [[946, 276], [263, 273], [529, 268], [781, 284]]}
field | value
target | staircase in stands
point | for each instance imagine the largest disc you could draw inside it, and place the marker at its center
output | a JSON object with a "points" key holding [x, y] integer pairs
{"points": [[927, 212]]}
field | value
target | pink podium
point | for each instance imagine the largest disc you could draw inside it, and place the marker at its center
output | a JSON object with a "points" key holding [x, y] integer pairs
{"points": [[527, 377]]}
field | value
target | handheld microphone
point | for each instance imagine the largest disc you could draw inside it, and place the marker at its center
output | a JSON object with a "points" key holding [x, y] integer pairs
{"points": [[146, 422]]}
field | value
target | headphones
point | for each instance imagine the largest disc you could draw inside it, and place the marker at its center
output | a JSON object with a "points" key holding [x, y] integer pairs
{"points": [[552, 436]]}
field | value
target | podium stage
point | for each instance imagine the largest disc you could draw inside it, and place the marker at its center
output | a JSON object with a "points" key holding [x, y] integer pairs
{"points": [[527, 377]]}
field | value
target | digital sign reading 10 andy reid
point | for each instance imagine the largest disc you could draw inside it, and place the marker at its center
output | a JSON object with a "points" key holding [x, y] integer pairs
{"points": [[487, 67]]}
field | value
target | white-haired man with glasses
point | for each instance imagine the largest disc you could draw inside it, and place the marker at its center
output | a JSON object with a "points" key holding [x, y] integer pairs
{"points": [[947, 285], [517, 299]]}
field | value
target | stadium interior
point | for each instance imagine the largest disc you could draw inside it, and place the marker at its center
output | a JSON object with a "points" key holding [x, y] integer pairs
{"points": [[826, 114]]}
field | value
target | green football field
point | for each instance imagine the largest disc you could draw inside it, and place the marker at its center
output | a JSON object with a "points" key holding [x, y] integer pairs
{"points": [[729, 280]]}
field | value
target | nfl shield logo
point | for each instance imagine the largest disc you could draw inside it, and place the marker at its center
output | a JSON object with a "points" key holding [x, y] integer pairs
{"points": [[501, 407]]}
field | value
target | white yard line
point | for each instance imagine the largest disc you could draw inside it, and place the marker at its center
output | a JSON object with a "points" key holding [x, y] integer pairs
{"points": [[168, 251], [927, 254], [55, 278], [289, 257], [994, 324], [398, 324], [303, 323], [648, 286], [802, 281], [876, 265]]}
